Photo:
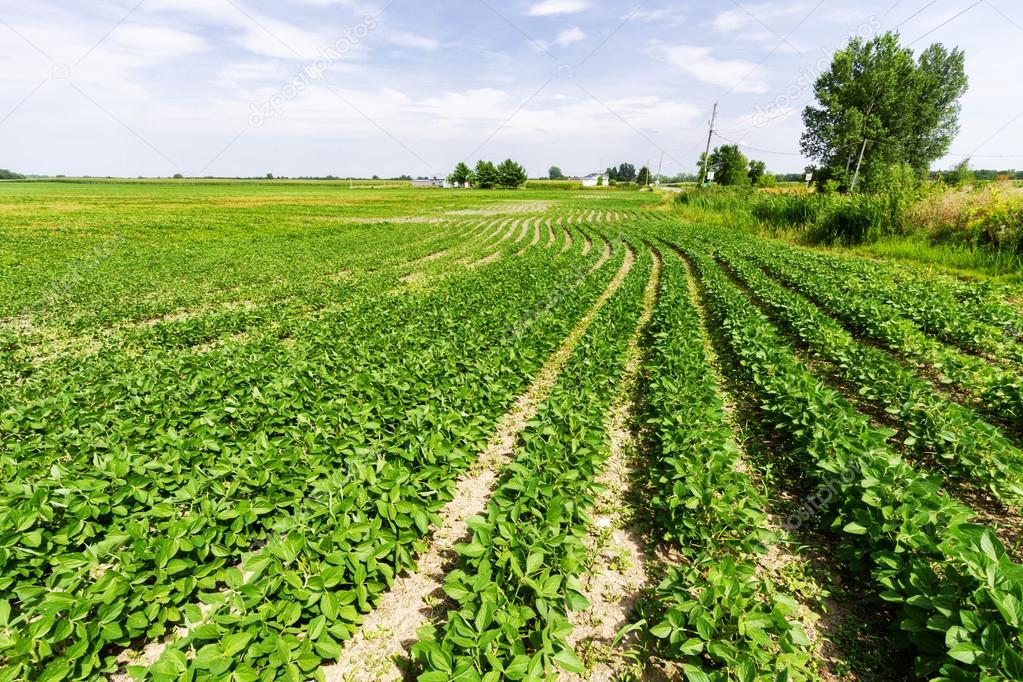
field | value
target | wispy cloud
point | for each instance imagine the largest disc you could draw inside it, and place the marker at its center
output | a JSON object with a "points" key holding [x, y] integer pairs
{"points": [[700, 63], [405, 39], [548, 8], [570, 36]]}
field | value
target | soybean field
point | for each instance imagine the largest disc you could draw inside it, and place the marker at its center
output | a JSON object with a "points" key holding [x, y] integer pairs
{"points": [[268, 430]]}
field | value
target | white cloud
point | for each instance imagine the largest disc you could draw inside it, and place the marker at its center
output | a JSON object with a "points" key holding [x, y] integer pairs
{"points": [[668, 15], [477, 103], [256, 32], [700, 63], [570, 36], [548, 8], [405, 39]]}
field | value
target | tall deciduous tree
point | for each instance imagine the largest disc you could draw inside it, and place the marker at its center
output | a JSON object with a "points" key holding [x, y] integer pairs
{"points": [[729, 165], [555, 173], [905, 108], [644, 176]]}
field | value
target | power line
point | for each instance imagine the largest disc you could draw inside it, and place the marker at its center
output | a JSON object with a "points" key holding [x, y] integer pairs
{"points": [[946, 22], [756, 149], [913, 15]]}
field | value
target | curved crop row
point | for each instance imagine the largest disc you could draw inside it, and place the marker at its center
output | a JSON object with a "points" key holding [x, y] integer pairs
{"points": [[970, 315], [518, 574], [959, 440], [720, 617], [152, 511], [995, 389], [959, 593]]}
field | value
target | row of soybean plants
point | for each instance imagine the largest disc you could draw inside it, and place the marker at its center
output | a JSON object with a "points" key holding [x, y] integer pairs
{"points": [[347, 273], [519, 574], [133, 493], [716, 612], [954, 437], [971, 315], [993, 389], [960, 596], [319, 611]]}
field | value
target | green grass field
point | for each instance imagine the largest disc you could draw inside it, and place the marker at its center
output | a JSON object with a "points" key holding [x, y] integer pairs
{"points": [[294, 430]]}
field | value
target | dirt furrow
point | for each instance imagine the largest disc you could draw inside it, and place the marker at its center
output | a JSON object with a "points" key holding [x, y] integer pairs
{"points": [[388, 632], [618, 574]]}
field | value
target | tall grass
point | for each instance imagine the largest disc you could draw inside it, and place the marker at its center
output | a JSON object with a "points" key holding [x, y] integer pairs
{"points": [[826, 219], [978, 229]]}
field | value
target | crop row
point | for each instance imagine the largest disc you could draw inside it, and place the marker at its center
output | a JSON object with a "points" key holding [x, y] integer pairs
{"points": [[311, 613], [519, 573], [132, 492], [957, 439], [995, 390], [719, 615], [958, 592], [971, 315]]}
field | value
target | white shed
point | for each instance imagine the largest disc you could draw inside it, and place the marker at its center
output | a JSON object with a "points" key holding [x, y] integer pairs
{"points": [[594, 179]]}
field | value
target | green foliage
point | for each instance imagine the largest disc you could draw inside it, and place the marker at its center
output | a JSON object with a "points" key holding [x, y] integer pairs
{"points": [[511, 175], [713, 608], [965, 445], [730, 166], [462, 174], [828, 218], [960, 175], [485, 175], [10, 175], [908, 110], [519, 574], [626, 172], [893, 308], [555, 173], [643, 178], [757, 171], [955, 587]]}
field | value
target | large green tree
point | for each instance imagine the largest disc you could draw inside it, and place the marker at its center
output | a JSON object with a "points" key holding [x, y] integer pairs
{"points": [[511, 174], [729, 165], [643, 178], [485, 175], [905, 108], [555, 173], [462, 174]]}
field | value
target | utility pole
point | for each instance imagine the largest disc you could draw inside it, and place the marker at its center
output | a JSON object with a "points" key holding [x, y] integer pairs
{"points": [[856, 175], [710, 136], [660, 164]]}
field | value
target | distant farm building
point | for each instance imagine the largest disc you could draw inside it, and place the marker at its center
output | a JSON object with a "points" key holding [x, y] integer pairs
{"points": [[428, 183], [594, 179]]}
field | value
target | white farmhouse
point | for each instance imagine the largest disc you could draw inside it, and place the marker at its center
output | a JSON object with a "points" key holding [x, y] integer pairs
{"points": [[594, 179]]}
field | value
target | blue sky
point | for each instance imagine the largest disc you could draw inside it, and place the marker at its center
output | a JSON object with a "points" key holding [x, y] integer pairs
{"points": [[361, 87]]}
